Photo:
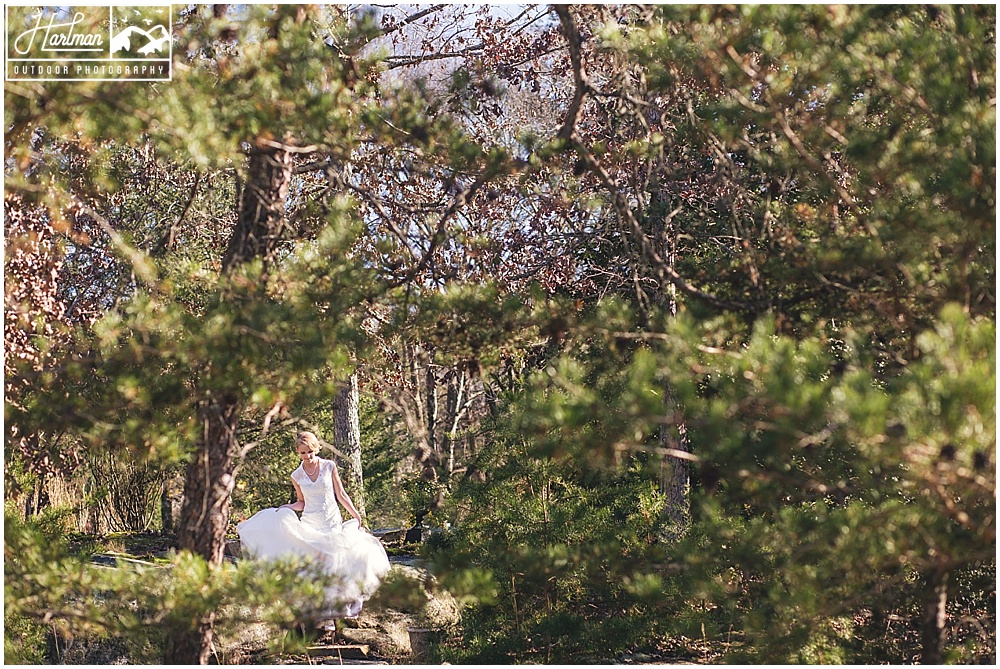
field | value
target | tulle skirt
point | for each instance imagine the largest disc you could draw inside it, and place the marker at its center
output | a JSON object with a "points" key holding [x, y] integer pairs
{"points": [[354, 558]]}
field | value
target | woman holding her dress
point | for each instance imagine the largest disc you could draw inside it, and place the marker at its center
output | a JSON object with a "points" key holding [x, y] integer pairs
{"points": [[345, 550]]}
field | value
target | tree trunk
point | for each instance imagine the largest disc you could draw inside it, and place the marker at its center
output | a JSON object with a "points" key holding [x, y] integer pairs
{"points": [[456, 396], [261, 218], [934, 616], [675, 473], [209, 481], [675, 481], [166, 506], [347, 439], [205, 515], [432, 409], [193, 647], [209, 478]]}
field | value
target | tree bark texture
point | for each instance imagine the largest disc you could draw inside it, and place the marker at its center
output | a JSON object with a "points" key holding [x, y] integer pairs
{"points": [[261, 220], [347, 439], [934, 616], [194, 647], [456, 396], [675, 479], [205, 515], [209, 479], [432, 409]]}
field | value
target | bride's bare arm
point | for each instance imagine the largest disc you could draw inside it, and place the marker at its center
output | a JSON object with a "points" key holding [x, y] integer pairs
{"points": [[299, 503], [338, 490]]}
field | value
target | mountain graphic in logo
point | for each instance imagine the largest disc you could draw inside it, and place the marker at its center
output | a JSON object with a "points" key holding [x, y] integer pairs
{"points": [[156, 38]]}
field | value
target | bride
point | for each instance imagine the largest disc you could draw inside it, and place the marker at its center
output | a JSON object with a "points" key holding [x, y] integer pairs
{"points": [[345, 550]]}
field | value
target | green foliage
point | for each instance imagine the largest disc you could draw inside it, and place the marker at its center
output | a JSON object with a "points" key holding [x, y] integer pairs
{"points": [[866, 177], [399, 592], [139, 603], [826, 496], [829, 171], [264, 479], [24, 640], [392, 497], [266, 348], [549, 556]]}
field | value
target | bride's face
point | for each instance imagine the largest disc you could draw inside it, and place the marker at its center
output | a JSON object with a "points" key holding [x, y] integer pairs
{"points": [[306, 453]]}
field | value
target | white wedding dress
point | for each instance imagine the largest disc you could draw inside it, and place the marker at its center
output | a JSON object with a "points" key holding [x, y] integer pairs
{"points": [[355, 558]]}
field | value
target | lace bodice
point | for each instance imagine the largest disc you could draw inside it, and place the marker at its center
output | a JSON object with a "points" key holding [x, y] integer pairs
{"points": [[321, 509]]}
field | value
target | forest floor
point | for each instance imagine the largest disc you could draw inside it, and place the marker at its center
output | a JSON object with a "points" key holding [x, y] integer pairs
{"points": [[393, 628], [388, 631], [379, 635]]}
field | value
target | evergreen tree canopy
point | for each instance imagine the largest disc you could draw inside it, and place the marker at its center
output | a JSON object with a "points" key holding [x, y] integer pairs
{"points": [[673, 322]]}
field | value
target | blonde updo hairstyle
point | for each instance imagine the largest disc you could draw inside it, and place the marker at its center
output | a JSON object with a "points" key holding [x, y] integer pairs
{"points": [[308, 439]]}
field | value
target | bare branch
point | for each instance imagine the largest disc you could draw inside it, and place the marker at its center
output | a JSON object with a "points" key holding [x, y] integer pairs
{"points": [[395, 62], [439, 234], [168, 239], [139, 261], [407, 21], [665, 271], [385, 215], [581, 84]]}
